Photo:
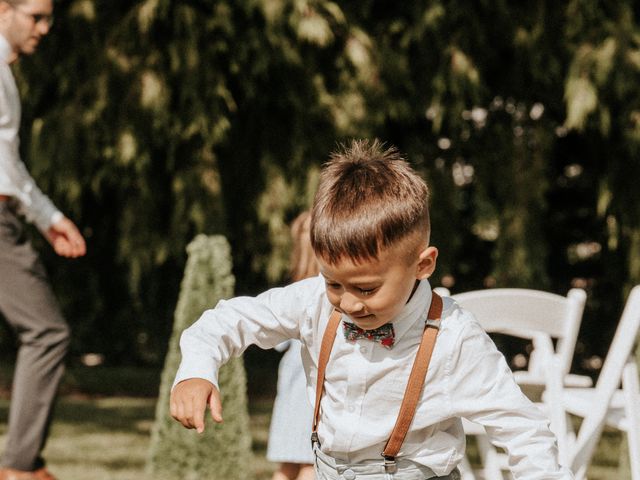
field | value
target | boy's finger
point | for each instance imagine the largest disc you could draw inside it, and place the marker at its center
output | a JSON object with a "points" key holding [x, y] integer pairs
{"points": [[215, 405], [186, 414], [181, 415], [173, 407], [199, 406]]}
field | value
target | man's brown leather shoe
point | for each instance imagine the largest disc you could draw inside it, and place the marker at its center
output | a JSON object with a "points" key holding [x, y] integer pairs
{"points": [[11, 474]]}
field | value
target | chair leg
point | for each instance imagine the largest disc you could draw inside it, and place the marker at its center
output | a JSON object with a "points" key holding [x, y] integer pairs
{"points": [[555, 409], [631, 388], [490, 458], [466, 472]]}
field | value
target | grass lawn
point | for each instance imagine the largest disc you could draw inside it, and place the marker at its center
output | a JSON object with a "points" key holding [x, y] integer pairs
{"points": [[101, 439], [106, 437]]}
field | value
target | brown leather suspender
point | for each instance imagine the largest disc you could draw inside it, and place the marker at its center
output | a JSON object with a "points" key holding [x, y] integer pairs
{"points": [[325, 350], [414, 385]]}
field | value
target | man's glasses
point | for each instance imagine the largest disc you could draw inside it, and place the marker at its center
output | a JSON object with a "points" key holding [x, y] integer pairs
{"points": [[38, 17]]}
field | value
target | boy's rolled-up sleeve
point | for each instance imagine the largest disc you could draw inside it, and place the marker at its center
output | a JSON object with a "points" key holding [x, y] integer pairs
{"points": [[484, 391]]}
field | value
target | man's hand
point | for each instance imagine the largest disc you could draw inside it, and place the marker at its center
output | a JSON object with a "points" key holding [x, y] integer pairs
{"points": [[65, 238], [189, 400]]}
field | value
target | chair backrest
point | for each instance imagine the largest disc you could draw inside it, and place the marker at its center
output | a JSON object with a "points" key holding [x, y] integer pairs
{"points": [[619, 353], [527, 313]]}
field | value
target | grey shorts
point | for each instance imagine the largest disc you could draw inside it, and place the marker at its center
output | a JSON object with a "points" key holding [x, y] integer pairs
{"points": [[328, 468]]}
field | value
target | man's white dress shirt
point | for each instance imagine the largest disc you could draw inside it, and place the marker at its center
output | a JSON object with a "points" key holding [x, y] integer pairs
{"points": [[15, 180], [365, 382]]}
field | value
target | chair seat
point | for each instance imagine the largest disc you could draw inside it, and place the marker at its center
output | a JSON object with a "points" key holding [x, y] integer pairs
{"points": [[580, 401], [524, 377]]}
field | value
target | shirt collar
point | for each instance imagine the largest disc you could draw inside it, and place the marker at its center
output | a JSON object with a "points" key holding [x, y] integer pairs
{"points": [[414, 311], [5, 49]]}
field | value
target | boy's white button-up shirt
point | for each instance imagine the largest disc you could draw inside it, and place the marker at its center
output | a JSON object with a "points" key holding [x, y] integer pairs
{"points": [[365, 382]]}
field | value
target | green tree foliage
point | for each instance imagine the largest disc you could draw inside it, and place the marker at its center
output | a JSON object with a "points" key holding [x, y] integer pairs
{"points": [[150, 121], [223, 451]]}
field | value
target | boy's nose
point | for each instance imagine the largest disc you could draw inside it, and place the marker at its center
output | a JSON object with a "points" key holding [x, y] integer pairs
{"points": [[349, 304]]}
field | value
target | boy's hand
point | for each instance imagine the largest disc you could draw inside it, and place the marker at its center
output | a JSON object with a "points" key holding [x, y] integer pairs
{"points": [[189, 400]]}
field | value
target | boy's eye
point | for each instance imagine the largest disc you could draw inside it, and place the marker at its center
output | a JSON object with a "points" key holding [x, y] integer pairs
{"points": [[333, 286], [366, 291]]}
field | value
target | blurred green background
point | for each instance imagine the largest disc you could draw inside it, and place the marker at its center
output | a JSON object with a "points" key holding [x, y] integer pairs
{"points": [[149, 122]]}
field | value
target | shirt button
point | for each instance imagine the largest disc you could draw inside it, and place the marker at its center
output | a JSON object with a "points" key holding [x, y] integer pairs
{"points": [[349, 474], [351, 409]]}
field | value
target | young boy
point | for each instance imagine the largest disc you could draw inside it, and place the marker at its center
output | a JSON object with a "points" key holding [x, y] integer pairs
{"points": [[370, 232]]}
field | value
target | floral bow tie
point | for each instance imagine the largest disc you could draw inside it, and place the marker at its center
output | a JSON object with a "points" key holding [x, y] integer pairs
{"points": [[384, 335]]}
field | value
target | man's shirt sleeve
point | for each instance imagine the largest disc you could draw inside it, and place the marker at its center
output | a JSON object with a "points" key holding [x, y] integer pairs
{"points": [[15, 180]]}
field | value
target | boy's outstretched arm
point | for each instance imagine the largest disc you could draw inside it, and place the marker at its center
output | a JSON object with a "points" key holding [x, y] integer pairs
{"points": [[189, 400]]}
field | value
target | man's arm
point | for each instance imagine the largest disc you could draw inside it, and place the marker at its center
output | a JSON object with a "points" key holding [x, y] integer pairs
{"points": [[15, 181]]}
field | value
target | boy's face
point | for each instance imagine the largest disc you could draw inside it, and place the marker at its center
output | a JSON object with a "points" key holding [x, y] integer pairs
{"points": [[374, 292]]}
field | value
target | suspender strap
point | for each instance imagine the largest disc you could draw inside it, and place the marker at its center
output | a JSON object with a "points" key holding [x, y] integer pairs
{"points": [[414, 386], [325, 350], [416, 381]]}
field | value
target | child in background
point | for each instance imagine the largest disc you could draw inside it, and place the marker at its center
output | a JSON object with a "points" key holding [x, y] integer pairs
{"points": [[362, 324], [290, 429]]}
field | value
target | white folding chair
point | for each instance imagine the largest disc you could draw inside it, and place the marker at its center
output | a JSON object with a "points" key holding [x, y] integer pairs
{"points": [[614, 401], [540, 317], [534, 315]]}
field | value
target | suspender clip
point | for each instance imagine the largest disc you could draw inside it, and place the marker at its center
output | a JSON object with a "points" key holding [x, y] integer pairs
{"points": [[390, 464], [432, 323], [314, 439]]}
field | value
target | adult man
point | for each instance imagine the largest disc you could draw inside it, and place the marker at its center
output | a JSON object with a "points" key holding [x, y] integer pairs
{"points": [[26, 299]]}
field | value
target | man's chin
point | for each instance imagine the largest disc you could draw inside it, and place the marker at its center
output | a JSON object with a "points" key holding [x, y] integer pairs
{"points": [[29, 48]]}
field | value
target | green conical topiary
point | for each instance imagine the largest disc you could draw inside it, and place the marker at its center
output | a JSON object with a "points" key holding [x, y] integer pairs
{"points": [[222, 451]]}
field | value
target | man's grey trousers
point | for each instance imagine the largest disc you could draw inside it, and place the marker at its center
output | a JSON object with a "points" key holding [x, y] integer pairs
{"points": [[28, 304]]}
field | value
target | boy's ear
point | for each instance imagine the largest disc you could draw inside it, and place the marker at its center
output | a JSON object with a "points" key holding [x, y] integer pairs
{"points": [[427, 262]]}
